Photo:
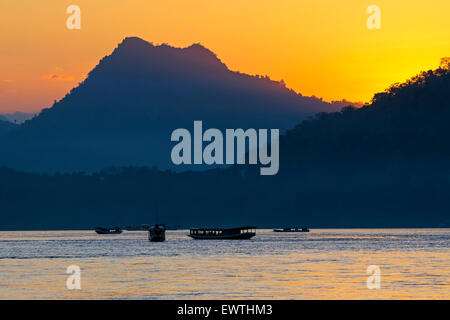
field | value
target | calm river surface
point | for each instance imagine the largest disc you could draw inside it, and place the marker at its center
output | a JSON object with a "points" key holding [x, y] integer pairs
{"points": [[322, 264]]}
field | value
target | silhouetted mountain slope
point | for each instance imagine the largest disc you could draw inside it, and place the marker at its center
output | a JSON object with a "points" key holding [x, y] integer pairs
{"points": [[6, 127], [385, 165], [126, 109], [407, 120], [345, 103]]}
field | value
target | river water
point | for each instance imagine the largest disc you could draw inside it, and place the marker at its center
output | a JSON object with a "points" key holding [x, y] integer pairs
{"points": [[321, 264]]}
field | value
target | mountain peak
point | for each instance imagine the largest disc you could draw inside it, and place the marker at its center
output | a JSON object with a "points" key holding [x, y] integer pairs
{"points": [[137, 56], [127, 107], [200, 49], [134, 43]]}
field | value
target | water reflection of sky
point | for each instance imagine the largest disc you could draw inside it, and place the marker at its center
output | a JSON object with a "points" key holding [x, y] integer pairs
{"points": [[322, 264]]}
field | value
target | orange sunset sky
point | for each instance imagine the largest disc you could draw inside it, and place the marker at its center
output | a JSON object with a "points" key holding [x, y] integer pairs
{"points": [[320, 47]]}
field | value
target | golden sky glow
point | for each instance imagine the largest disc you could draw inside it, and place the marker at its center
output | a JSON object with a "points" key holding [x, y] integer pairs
{"points": [[319, 47]]}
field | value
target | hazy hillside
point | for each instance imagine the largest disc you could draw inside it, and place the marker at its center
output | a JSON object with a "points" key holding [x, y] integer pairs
{"points": [[17, 117], [6, 127], [126, 109]]}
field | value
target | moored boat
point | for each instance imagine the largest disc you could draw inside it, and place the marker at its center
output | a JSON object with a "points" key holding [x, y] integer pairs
{"points": [[157, 233], [292, 229], [101, 230], [240, 233]]}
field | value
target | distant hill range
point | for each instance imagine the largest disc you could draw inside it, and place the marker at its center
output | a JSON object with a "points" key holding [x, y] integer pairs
{"points": [[124, 112], [384, 165], [17, 117], [345, 103]]}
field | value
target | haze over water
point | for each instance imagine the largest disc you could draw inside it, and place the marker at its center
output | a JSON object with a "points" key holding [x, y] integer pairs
{"points": [[322, 264]]}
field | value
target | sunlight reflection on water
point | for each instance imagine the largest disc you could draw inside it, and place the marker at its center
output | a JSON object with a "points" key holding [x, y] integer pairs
{"points": [[322, 264]]}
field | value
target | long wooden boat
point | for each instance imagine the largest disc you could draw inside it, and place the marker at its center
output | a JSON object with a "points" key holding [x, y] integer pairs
{"points": [[240, 233]]}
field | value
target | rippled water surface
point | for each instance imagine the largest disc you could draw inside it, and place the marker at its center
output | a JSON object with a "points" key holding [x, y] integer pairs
{"points": [[322, 264]]}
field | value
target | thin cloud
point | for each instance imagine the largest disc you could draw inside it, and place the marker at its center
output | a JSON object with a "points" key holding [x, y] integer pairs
{"points": [[58, 77]]}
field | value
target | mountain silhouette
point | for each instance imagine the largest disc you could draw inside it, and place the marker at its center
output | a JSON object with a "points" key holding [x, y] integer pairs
{"points": [[126, 109], [385, 165], [6, 127], [407, 121]]}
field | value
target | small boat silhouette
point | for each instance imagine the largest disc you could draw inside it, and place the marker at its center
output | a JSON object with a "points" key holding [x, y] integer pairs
{"points": [[101, 230], [157, 233]]}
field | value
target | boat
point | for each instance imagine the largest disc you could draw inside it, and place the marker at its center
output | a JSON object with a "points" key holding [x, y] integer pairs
{"points": [[101, 230], [222, 233], [157, 233], [292, 229]]}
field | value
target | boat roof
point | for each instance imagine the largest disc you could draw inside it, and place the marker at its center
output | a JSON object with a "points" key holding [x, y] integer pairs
{"points": [[222, 229]]}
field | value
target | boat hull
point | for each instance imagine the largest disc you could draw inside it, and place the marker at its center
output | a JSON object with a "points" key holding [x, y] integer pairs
{"points": [[157, 234], [240, 236], [157, 239]]}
